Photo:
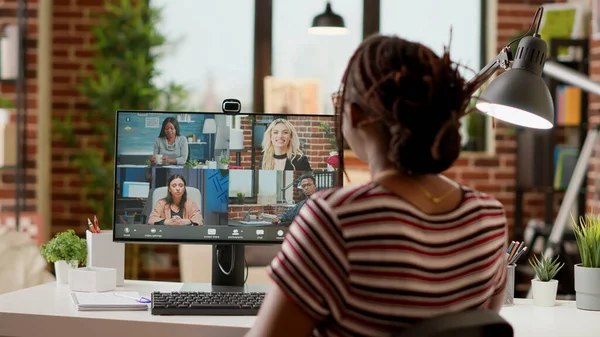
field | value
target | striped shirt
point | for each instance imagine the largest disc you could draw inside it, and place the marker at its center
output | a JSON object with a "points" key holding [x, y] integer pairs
{"points": [[364, 262]]}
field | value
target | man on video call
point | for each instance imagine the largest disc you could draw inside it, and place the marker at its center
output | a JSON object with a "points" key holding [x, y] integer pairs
{"points": [[309, 187]]}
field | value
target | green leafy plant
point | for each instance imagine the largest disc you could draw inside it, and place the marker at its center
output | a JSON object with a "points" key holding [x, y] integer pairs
{"points": [[545, 268], [65, 246], [330, 135], [241, 195], [224, 160], [125, 44], [192, 163], [587, 235]]}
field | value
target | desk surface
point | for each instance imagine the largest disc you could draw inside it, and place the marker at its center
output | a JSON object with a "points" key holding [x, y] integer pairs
{"points": [[47, 310]]}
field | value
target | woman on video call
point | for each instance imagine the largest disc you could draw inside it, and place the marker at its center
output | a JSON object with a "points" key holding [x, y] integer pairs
{"points": [[170, 144], [175, 209], [373, 259], [281, 148]]}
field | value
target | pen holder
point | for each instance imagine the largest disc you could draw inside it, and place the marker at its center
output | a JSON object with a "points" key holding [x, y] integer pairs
{"points": [[509, 297], [104, 253]]}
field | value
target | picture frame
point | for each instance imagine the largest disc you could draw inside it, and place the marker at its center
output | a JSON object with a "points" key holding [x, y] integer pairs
{"points": [[563, 21], [295, 96]]}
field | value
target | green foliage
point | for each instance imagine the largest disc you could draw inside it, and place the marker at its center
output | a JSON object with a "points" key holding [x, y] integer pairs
{"points": [[240, 195], [192, 163], [65, 246], [587, 235], [545, 268], [330, 134], [6, 103], [125, 41]]}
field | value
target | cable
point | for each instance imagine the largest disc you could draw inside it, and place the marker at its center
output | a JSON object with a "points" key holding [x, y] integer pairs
{"points": [[247, 273], [537, 16], [232, 260]]}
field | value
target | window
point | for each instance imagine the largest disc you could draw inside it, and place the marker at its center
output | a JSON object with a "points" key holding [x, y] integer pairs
{"points": [[429, 22], [299, 55], [210, 50]]}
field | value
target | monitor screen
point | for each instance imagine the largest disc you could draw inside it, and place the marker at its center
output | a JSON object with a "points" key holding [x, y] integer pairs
{"points": [[199, 177]]}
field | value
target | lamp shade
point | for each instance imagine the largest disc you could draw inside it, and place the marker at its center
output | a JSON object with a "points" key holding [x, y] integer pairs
{"points": [[236, 139], [210, 126], [520, 96], [328, 23]]}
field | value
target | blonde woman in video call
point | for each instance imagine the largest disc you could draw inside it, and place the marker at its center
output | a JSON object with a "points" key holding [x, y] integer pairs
{"points": [[281, 148]]}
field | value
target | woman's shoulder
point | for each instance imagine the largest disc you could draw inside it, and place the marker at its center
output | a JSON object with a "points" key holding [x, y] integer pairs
{"points": [[161, 202], [190, 202], [181, 139], [473, 195], [338, 196]]}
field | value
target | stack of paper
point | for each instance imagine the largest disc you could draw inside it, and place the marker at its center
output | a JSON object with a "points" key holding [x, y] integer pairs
{"points": [[107, 301]]}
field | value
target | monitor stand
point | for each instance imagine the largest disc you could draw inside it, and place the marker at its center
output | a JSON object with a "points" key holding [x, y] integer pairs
{"points": [[228, 272]]}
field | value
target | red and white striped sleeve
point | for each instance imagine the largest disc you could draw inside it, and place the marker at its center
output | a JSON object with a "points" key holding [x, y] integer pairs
{"points": [[312, 267]]}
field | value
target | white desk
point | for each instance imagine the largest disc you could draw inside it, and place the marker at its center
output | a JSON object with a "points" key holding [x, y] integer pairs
{"points": [[47, 310], [561, 320]]}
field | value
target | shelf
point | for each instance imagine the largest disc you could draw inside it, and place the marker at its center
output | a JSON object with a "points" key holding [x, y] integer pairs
{"points": [[10, 167]]}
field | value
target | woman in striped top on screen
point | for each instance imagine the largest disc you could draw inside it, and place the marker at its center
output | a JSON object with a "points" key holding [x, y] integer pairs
{"points": [[371, 260]]}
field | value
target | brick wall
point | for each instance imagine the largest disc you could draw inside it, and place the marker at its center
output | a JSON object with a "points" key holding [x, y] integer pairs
{"points": [[8, 15], [594, 119], [71, 55]]}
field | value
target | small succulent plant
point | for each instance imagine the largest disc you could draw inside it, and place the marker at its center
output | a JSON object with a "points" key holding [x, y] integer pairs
{"points": [[545, 268]]}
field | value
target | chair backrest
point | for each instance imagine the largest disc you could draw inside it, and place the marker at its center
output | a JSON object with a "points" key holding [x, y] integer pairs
{"points": [[192, 194], [473, 323]]}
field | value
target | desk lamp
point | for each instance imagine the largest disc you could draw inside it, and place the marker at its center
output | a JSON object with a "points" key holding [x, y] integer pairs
{"points": [[210, 128], [519, 95]]}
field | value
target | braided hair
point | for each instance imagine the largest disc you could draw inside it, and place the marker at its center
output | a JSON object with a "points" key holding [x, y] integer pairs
{"points": [[416, 96]]}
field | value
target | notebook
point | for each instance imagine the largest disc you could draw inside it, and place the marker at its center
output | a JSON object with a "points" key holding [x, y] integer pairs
{"points": [[107, 301]]}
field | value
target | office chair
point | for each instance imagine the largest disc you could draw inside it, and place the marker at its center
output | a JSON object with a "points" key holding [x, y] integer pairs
{"points": [[472, 323]]}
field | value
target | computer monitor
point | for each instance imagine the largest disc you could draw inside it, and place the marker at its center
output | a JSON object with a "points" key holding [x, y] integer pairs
{"points": [[226, 191]]}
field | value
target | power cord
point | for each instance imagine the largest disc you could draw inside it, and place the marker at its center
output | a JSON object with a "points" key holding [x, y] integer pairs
{"points": [[247, 273], [219, 248]]}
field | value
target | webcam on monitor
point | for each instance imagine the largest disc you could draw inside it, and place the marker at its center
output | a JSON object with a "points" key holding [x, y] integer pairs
{"points": [[231, 105]]}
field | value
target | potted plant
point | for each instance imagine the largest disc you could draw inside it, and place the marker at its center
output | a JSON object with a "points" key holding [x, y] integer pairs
{"points": [[190, 137], [240, 197], [224, 162], [587, 273], [66, 250], [544, 286]]}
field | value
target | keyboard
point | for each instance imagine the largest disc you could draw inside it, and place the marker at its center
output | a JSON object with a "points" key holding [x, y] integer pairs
{"points": [[206, 303]]}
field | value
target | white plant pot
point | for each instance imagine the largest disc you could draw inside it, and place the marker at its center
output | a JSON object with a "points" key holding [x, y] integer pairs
{"points": [[587, 288], [544, 293], [61, 269]]}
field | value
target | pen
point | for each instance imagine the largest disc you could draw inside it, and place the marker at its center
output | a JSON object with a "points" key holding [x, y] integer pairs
{"points": [[92, 228], [139, 300], [516, 257], [96, 224]]}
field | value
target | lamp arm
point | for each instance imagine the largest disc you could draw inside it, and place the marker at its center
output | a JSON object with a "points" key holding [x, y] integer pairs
{"points": [[571, 76], [502, 61]]}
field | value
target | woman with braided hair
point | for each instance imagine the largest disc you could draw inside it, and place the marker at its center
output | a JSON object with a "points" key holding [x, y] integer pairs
{"points": [[374, 259]]}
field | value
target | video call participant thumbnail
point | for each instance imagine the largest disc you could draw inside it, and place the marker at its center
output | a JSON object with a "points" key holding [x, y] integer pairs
{"points": [[170, 148], [281, 148], [309, 187], [176, 209]]}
